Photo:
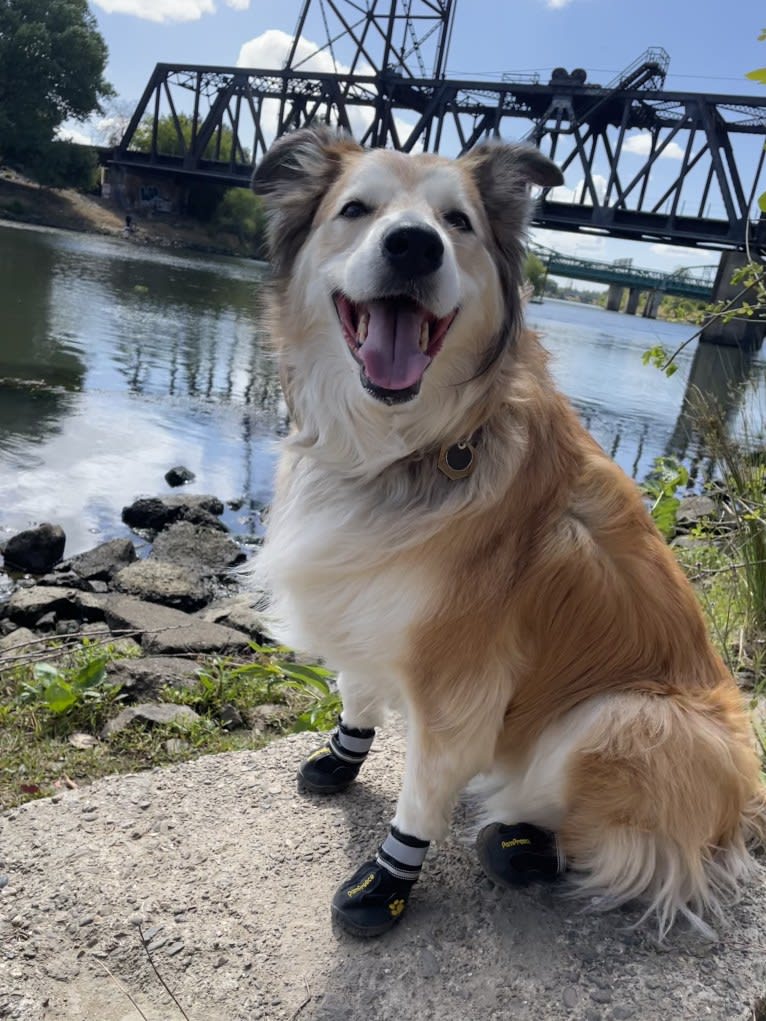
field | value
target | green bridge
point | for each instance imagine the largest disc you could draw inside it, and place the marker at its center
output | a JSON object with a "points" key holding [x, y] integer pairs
{"points": [[688, 282]]}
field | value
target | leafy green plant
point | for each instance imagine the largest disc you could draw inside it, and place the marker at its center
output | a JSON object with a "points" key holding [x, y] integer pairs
{"points": [[661, 486], [315, 686]]}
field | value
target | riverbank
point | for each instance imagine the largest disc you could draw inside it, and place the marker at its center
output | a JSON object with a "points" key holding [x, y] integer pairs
{"points": [[24, 202], [111, 662]]}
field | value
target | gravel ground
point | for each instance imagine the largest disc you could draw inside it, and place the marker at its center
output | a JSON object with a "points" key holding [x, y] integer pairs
{"points": [[227, 873]]}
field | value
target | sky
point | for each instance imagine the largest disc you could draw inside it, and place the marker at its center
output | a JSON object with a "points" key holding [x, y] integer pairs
{"points": [[712, 45]]}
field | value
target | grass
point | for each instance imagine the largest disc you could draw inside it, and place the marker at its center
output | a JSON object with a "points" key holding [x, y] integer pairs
{"points": [[51, 715]]}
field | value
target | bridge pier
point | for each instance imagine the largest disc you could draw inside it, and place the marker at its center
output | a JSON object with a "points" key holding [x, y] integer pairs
{"points": [[739, 332], [652, 306], [614, 297], [632, 306]]}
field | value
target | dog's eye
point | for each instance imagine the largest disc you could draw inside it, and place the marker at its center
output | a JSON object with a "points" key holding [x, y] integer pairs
{"points": [[353, 210], [457, 219]]}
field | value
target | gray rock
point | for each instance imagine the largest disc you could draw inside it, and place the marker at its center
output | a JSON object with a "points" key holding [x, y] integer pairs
{"points": [[149, 712], [193, 546], [102, 562], [692, 509], [27, 605], [237, 612], [179, 476], [155, 513], [17, 643], [146, 677], [168, 583], [36, 549], [166, 631], [65, 579]]}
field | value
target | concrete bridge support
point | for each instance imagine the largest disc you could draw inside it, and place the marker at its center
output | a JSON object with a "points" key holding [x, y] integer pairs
{"points": [[614, 297], [739, 332], [632, 306], [652, 306]]}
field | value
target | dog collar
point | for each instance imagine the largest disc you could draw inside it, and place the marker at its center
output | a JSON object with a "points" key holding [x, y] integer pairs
{"points": [[458, 460]]}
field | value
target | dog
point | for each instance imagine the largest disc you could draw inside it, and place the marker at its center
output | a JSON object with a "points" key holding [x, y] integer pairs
{"points": [[447, 535]]}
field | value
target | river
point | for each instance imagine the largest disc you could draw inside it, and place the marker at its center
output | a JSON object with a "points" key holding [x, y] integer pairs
{"points": [[119, 361]]}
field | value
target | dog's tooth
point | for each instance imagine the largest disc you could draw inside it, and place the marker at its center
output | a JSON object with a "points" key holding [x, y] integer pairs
{"points": [[361, 330], [425, 335]]}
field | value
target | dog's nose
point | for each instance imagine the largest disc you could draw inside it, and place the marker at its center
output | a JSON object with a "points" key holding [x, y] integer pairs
{"points": [[413, 251]]}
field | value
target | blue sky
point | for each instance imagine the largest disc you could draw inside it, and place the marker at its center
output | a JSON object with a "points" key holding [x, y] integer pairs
{"points": [[711, 45]]}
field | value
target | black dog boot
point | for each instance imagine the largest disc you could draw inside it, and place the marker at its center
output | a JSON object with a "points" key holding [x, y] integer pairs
{"points": [[336, 764], [514, 855], [373, 900]]}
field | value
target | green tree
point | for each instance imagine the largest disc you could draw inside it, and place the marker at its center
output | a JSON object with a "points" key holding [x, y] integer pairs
{"points": [[240, 212], [174, 137], [52, 61], [60, 164], [535, 272]]}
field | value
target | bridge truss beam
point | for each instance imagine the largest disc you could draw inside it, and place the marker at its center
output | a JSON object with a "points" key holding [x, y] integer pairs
{"points": [[711, 147]]}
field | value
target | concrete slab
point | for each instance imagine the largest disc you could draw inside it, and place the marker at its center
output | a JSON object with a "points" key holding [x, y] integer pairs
{"points": [[229, 872]]}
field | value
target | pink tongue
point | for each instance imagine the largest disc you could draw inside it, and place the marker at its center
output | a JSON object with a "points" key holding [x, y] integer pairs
{"points": [[391, 353]]}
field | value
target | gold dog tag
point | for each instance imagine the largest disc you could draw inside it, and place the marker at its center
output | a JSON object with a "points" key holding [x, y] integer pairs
{"points": [[457, 461]]}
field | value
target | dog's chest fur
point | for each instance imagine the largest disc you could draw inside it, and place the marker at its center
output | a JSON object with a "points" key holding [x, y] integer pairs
{"points": [[341, 584]]}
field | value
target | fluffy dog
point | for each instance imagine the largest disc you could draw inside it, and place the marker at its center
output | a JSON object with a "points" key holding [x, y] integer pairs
{"points": [[450, 538]]}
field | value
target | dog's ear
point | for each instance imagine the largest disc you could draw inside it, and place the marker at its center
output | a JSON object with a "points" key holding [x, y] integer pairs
{"points": [[503, 173], [292, 178]]}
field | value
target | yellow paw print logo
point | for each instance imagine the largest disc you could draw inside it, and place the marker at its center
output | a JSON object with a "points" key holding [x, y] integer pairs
{"points": [[396, 907]]}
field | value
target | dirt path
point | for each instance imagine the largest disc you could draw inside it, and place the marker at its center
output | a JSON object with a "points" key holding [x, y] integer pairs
{"points": [[229, 873]]}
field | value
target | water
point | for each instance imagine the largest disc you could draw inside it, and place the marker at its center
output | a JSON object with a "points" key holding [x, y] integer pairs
{"points": [[118, 362]]}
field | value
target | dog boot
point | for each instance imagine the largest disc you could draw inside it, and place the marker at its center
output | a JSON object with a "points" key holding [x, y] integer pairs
{"points": [[335, 765], [373, 900], [513, 855]]}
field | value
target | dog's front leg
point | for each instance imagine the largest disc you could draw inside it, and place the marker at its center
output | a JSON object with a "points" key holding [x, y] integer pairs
{"points": [[333, 767], [438, 766]]}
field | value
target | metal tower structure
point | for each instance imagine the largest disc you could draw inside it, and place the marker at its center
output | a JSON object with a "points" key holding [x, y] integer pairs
{"points": [[640, 162]]}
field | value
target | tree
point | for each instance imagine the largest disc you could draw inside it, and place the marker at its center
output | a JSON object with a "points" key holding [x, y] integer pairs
{"points": [[52, 61], [170, 144], [60, 164], [240, 212], [535, 271]]}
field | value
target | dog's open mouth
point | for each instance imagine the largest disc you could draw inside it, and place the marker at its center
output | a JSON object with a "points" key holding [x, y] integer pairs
{"points": [[394, 340]]}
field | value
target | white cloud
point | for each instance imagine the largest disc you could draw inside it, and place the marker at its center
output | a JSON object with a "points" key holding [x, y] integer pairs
{"points": [[69, 134], [238, 5], [582, 246], [641, 145], [564, 194], [556, 5], [161, 10], [271, 49]]}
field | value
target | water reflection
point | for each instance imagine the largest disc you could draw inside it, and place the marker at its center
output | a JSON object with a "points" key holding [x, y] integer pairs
{"points": [[40, 366], [168, 370], [117, 362]]}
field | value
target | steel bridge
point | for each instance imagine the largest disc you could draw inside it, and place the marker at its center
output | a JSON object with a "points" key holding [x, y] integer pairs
{"points": [[689, 282], [641, 163]]}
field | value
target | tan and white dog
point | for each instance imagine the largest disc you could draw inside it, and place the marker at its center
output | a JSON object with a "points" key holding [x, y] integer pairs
{"points": [[450, 538]]}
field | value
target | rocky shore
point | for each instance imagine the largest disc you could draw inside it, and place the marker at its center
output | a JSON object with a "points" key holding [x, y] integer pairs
{"points": [[164, 600]]}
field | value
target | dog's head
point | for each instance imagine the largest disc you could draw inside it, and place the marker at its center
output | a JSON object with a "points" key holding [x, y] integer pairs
{"points": [[397, 276]]}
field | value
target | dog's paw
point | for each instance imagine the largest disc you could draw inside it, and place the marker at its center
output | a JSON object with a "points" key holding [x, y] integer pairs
{"points": [[514, 855], [324, 773], [371, 902]]}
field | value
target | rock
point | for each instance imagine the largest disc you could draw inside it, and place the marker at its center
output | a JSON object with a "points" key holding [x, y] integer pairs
{"points": [[27, 605], [47, 622], [35, 550], [229, 717], [149, 712], [179, 476], [146, 677], [692, 509], [167, 631], [102, 562], [237, 612], [207, 551], [156, 513], [18, 643], [65, 579], [168, 583]]}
